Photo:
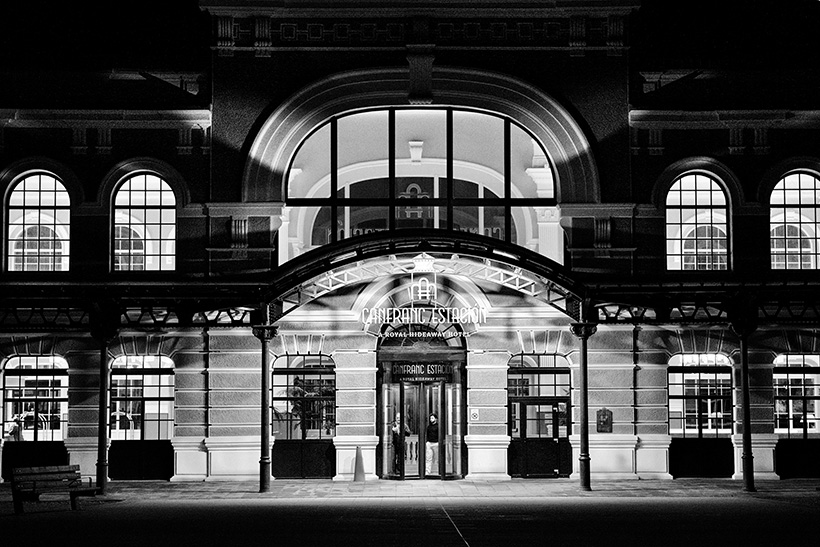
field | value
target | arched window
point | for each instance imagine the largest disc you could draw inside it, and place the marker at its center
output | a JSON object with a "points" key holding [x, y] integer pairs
{"points": [[142, 398], [144, 225], [39, 210], [304, 397], [35, 398], [797, 395], [793, 220], [700, 395], [696, 224], [410, 168]]}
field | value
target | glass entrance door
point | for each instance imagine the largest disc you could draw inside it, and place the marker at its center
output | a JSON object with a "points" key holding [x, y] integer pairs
{"points": [[422, 430], [539, 431]]}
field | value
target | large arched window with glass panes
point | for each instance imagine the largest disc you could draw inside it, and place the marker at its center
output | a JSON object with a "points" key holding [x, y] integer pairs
{"points": [[142, 398], [793, 222], [411, 168], [35, 398], [697, 229], [38, 226], [144, 231]]}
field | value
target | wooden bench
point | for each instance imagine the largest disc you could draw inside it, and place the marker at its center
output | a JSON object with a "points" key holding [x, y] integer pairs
{"points": [[27, 483]]}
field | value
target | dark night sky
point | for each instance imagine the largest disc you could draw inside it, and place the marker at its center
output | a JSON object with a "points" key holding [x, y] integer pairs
{"points": [[62, 35]]}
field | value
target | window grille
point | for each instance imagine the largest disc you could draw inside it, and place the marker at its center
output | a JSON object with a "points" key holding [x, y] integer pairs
{"points": [[700, 395], [304, 397], [797, 395], [144, 225], [532, 376], [696, 224], [142, 398], [35, 398], [793, 222], [39, 210]]}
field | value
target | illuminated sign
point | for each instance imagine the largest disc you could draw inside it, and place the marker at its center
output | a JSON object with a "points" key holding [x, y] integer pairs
{"points": [[424, 289], [422, 371], [424, 316]]}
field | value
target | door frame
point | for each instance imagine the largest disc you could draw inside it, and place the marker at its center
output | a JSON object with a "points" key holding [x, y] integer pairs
{"points": [[561, 444], [380, 463]]}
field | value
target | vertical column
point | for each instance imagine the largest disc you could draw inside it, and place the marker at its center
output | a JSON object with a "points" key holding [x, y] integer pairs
{"points": [[743, 317], [104, 328], [583, 331], [743, 331], [265, 333]]}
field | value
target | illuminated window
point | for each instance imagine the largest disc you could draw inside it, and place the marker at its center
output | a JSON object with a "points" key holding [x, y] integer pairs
{"points": [[39, 211], [144, 225], [411, 168], [142, 398], [797, 395], [795, 201], [700, 395], [304, 397], [35, 398], [696, 225], [540, 384]]}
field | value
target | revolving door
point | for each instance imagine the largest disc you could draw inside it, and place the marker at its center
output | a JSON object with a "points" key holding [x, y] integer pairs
{"points": [[422, 427]]}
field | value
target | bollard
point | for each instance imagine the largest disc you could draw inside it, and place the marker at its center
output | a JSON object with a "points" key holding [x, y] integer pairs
{"points": [[358, 466]]}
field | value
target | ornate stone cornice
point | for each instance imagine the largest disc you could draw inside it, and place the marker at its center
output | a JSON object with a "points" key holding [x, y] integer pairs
{"points": [[574, 26]]}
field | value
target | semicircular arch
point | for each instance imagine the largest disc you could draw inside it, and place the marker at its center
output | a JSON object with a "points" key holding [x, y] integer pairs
{"points": [[576, 173]]}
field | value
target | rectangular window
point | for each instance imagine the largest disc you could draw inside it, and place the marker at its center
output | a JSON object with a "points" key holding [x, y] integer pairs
{"points": [[796, 395], [700, 401]]}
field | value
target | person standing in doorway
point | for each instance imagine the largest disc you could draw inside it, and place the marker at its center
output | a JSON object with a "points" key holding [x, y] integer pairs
{"points": [[398, 445], [431, 452]]}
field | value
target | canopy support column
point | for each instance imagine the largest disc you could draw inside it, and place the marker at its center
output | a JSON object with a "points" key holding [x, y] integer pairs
{"points": [[583, 331], [265, 332]]}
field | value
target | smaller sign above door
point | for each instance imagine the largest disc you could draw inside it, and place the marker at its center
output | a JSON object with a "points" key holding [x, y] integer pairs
{"points": [[419, 372]]}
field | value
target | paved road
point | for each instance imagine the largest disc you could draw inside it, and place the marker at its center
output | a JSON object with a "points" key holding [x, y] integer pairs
{"points": [[429, 522]]}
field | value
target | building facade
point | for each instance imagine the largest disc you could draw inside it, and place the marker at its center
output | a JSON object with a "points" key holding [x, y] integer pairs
{"points": [[416, 240]]}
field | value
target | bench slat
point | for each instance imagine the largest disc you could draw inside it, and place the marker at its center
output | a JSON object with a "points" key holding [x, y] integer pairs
{"points": [[45, 469], [38, 485], [46, 477]]}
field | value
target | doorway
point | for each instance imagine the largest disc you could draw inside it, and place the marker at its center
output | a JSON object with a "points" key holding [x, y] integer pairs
{"points": [[539, 431], [421, 373], [422, 428]]}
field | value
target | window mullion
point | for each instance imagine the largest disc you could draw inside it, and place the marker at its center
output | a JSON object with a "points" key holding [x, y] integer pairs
{"points": [[391, 169], [449, 184], [334, 179]]}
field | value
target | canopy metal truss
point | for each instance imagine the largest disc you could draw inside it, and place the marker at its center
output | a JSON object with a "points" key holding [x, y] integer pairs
{"points": [[766, 303], [70, 304], [373, 256]]}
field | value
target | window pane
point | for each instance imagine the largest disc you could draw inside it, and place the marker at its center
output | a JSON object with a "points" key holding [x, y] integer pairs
{"points": [[363, 149]]}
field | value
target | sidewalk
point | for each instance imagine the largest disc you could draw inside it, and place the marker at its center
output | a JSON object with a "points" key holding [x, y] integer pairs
{"points": [[516, 488]]}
